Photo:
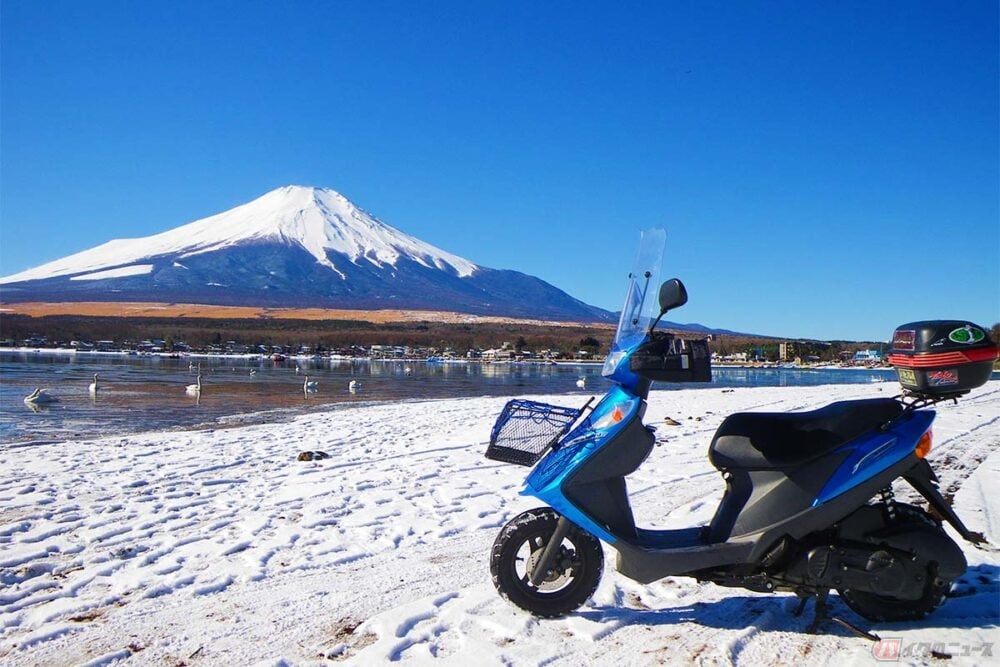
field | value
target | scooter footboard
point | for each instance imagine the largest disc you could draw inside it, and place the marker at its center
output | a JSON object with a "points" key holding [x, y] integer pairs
{"points": [[646, 565]]}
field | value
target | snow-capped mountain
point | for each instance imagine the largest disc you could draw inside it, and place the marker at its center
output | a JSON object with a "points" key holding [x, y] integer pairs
{"points": [[294, 246]]}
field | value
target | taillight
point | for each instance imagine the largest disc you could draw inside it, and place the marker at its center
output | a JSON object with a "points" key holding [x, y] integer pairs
{"points": [[923, 445]]}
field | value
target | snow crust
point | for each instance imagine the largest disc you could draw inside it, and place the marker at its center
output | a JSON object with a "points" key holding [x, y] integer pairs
{"points": [[318, 220], [121, 272], [219, 547]]}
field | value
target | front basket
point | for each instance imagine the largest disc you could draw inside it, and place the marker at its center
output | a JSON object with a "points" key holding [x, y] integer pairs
{"points": [[525, 430]]}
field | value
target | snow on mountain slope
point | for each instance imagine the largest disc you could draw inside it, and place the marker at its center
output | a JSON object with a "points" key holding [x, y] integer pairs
{"points": [[318, 220], [297, 247], [122, 272]]}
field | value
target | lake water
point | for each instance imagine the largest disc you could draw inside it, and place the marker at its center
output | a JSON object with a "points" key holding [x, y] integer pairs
{"points": [[144, 393]]}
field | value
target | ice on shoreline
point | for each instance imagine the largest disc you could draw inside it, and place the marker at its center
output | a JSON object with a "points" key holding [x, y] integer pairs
{"points": [[218, 547]]}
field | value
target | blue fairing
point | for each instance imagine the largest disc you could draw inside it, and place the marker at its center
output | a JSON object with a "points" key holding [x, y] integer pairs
{"points": [[609, 417], [871, 455]]}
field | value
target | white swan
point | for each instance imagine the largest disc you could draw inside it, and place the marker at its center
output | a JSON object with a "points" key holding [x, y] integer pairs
{"points": [[308, 386], [194, 389], [93, 386], [354, 386], [40, 396], [581, 383]]}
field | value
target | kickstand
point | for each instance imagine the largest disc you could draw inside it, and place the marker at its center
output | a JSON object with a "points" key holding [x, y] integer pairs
{"points": [[803, 599], [821, 616]]}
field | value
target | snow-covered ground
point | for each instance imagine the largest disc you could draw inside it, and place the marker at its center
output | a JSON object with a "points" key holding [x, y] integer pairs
{"points": [[221, 548]]}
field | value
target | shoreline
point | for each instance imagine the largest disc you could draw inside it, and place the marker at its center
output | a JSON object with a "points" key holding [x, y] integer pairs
{"points": [[432, 360], [68, 351]]}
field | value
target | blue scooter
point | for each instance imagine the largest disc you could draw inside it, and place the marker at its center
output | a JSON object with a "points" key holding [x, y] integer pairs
{"points": [[808, 505]]}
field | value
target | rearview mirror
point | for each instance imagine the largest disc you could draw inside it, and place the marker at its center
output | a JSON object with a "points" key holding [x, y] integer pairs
{"points": [[672, 295]]}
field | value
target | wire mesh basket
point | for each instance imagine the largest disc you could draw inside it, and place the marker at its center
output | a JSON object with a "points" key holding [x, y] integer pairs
{"points": [[525, 430]]}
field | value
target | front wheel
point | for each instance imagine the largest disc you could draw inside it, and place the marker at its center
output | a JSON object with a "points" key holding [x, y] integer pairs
{"points": [[576, 567]]}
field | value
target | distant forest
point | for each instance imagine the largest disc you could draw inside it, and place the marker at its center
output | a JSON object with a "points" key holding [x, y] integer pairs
{"points": [[328, 334]]}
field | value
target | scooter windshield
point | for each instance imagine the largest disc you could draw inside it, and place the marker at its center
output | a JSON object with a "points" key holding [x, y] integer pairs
{"points": [[641, 306]]}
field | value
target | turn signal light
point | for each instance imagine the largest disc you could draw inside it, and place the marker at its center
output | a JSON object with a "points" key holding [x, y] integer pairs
{"points": [[923, 446], [616, 414]]}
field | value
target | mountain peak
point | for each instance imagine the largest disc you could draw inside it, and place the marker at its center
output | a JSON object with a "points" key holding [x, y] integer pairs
{"points": [[295, 246], [320, 220], [291, 195]]}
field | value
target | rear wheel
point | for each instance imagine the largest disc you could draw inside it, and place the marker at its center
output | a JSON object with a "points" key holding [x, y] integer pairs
{"points": [[574, 575], [881, 608]]}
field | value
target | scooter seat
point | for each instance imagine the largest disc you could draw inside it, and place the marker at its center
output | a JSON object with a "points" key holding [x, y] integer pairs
{"points": [[764, 440]]}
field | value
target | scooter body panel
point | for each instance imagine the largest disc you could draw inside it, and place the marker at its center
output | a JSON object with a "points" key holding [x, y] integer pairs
{"points": [[872, 454], [653, 560], [583, 479]]}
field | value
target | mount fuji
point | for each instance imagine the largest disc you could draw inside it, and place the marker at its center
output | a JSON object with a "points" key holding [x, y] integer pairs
{"points": [[293, 247]]}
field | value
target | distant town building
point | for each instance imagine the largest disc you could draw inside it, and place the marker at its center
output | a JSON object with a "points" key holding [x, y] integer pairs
{"points": [[867, 356], [735, 358]]}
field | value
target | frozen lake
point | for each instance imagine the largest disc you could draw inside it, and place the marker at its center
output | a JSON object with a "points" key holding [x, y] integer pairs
{"points": [[145, 393]]}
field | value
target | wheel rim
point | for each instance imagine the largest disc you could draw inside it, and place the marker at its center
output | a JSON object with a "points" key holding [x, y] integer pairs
{"points": [[561, 575]]}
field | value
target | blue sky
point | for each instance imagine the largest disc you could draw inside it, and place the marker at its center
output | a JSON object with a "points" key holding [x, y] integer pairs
{"points": [[824, 170]]}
